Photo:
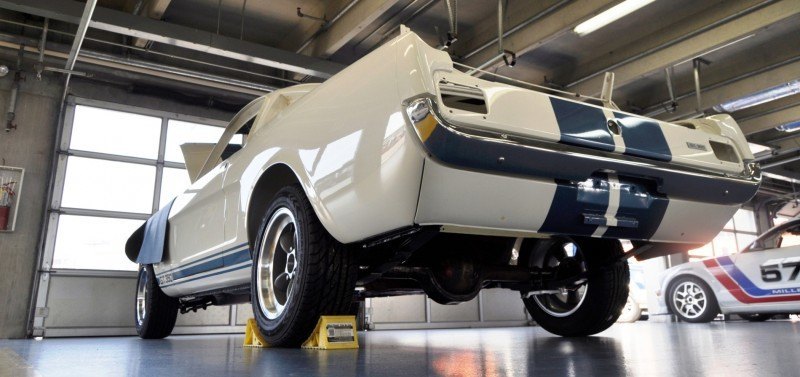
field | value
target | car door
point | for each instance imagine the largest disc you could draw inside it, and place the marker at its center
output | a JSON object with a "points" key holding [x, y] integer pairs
{"points": [[768, 278]]}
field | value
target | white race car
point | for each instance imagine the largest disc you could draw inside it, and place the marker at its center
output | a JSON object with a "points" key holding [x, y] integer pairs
{"points": [[756, 284], [402, 175]]}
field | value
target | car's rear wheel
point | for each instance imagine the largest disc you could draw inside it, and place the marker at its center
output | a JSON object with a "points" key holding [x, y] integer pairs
{"points": [[590, 307], [300, 272], [156, 312], [691, 300], [756, 317]]}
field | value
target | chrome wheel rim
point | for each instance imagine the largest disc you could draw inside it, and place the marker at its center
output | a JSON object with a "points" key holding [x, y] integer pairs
{"points": [[566, 301], [277, 266], [689, 299], [141, 296]]}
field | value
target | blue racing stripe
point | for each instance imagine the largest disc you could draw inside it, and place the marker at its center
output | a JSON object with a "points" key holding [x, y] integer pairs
{"points": [[643, 137], [209, 275], [219, 262], [566, 214], [636, 203], [582, 125], [747, 285], [214, 255]]}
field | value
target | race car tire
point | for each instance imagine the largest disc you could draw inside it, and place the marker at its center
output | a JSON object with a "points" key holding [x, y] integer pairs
{"points": [[155, 312], [756, 317], [631, 312], [299, 271], [691, 300], [603, 295]]}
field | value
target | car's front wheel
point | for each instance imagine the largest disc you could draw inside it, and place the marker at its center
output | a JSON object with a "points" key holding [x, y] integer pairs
{"points": [[590, 307], [691, 300], [299, 271], [156, 312]]}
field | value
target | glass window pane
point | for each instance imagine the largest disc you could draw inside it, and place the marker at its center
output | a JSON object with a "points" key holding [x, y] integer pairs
{"points": [[729, 225], [115, 132], [789, 239], [108, 185], [725, 244], [745, 220], [702, 252], [744, 240], [95, 243], [173, 183], [180, 132]]}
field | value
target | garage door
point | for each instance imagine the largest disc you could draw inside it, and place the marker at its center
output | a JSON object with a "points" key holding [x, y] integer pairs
{"points": [[116, 165]]}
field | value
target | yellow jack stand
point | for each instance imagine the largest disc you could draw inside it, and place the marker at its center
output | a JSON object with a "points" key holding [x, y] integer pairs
{"points": [[252, 337], [334, 332]]}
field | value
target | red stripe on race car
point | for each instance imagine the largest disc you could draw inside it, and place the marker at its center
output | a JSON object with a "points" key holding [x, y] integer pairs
{"points": [[735, 290]]}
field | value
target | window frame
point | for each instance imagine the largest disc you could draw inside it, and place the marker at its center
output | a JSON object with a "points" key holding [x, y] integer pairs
{"points": [[58, 176], [734, 231]]}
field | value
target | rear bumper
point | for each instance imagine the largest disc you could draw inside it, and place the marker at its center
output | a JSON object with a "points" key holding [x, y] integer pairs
{"points": [[482, 179]]}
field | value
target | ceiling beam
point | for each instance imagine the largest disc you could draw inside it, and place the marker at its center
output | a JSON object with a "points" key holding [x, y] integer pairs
{"points": [[177, 35], [340, 31], [770, 120], [542, 31], [734, 88], [518, 15], [767, 107], [695, 46], [154, 9]]}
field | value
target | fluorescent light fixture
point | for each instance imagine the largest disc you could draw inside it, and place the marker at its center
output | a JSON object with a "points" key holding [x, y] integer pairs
{"points": [[758, 148], [612, 14], [789, 127], [757, 98]]}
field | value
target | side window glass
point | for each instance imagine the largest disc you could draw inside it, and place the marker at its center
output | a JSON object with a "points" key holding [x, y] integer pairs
{"points": [[238, 140], [790, 237]]}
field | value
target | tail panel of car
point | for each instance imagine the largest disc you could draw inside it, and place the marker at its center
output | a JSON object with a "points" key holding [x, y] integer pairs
{"points": [[715, 143]]}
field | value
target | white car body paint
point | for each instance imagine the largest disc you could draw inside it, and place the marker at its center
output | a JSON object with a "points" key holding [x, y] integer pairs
{"points": [[737, 282], [365, 171]]}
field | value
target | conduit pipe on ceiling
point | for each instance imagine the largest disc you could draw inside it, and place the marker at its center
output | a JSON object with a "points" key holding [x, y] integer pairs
{"points": [[157, 70]]}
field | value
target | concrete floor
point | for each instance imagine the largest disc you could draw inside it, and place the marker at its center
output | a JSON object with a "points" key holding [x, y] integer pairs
{"points": [[645, 348]]}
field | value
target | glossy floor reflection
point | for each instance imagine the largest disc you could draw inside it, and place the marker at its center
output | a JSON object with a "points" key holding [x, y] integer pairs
{"points": [[644, 348]]}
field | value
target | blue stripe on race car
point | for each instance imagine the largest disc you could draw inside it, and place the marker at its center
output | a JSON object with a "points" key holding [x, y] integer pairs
{"points": [[643, 137], [566, 214], [747, 285], [213, 264], [220, 272], [203, 259], [571, 204], [582, 125], [635, 203]]}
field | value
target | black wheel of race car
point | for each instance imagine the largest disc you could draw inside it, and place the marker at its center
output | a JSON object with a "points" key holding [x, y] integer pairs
{"points": [[155, 311], [594, 305], [756, 317], [299, 271], [691, 300]]}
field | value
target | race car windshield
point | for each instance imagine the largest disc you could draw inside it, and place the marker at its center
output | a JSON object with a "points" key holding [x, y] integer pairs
{"points": [[784, 235]]}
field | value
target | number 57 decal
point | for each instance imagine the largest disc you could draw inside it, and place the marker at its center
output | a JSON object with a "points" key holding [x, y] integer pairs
{"points": [[771, 269]]}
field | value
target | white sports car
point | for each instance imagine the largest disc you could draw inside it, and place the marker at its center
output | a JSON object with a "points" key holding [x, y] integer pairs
{"points": [[756, 284], [402, 175]]}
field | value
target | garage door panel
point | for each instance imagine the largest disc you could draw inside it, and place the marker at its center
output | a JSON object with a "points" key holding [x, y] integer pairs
{"points": [[464, 312], [74, 301], [213, 315], [400, 309], [502, 305]]}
